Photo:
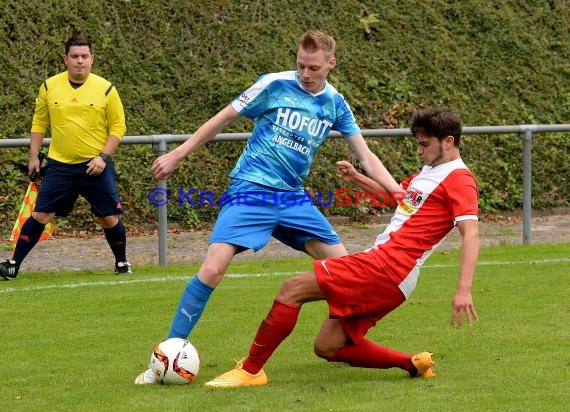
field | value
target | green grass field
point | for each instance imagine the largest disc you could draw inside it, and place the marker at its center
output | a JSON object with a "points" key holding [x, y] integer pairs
{"points": [[75, 341]]}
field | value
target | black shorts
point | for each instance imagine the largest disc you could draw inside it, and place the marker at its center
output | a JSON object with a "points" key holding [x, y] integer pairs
{"points": [[63, 183]]}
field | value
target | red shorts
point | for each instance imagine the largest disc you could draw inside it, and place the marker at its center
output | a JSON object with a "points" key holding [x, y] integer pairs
{"points": [[358, 291]]}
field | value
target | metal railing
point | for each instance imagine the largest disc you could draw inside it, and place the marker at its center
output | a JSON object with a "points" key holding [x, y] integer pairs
{"points": [[160, 144]]}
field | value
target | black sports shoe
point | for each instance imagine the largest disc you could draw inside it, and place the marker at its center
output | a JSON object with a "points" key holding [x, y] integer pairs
{"points": [[8, 269], [123, 268]]}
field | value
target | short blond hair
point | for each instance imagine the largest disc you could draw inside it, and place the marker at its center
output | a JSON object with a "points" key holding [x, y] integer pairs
{"points": [[314, 40]]}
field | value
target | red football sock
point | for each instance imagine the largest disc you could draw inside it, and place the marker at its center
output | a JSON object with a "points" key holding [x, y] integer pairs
{"points": [[278, 324], [367, 354]]}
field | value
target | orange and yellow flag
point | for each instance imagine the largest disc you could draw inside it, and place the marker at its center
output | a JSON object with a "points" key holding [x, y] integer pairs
{"points": [[25, 212]]}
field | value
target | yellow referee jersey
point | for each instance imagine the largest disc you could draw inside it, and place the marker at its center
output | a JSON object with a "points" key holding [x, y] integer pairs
{"points": [[80, 119]]}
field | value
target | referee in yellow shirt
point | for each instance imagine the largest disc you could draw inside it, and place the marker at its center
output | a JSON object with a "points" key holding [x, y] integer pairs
{"points": [[87, 121]]}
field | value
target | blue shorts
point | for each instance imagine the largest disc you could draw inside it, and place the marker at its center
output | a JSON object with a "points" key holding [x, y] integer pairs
{"points": [[251, 213], [63, 183]]}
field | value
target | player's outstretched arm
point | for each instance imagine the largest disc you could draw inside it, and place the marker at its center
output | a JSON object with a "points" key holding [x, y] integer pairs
{"points": [[371, 164], [347, 172], [462, 304], [164, 166]]}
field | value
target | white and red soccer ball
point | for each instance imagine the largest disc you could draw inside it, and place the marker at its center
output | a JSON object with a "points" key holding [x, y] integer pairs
{"points": [[175, 361]]}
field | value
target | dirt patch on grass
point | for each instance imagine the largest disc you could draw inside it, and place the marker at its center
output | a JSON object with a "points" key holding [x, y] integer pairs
{"points": [[84, 251]]}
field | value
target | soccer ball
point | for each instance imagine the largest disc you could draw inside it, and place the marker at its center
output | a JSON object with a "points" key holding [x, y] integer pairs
{"points": [[175, 361]]}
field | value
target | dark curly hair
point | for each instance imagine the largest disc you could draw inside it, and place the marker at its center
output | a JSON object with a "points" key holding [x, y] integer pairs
{"points": [[438, 122]]}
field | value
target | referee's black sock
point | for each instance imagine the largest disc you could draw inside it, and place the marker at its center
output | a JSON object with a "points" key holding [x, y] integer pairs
{"points": [[117, 239], [29, 236]]}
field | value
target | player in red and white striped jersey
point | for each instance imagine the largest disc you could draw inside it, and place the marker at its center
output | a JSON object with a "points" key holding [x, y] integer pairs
{"points": [[362, 288]]}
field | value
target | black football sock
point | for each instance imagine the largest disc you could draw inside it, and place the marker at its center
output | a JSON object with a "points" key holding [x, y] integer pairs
{"points": [[29, 237], [117, 239]]}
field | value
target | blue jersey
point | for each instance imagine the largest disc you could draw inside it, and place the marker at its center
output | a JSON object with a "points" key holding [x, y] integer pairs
{"points": [[290, 125]]}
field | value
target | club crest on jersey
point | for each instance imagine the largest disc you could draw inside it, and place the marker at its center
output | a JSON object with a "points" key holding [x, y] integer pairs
{"points": [[412, 201]]}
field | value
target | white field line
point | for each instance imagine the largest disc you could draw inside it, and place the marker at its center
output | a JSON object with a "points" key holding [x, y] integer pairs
{"points": [[246, 275]]}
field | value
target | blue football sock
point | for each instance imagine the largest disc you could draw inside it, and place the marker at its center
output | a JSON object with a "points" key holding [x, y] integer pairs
{"points": [[192, 304]]}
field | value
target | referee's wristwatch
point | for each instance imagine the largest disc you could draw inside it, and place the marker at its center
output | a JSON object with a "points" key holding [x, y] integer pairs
{"points": [[106, 157]]}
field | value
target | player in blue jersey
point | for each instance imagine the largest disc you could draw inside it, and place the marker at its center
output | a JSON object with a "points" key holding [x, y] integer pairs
{"points": [[294, 111]]}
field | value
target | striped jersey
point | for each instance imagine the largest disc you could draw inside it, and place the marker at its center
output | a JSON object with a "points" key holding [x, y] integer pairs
{"points": [[290, 125], [435, 200]]}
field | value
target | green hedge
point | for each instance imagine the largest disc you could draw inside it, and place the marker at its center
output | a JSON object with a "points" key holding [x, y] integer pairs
{"points": [[176, 64]]}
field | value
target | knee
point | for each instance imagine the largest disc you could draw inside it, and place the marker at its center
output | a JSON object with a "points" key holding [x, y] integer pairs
{"points": [[107, 222], [330, 339], [211, 272], [289, 291], [324, 349], [43, 218]]}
